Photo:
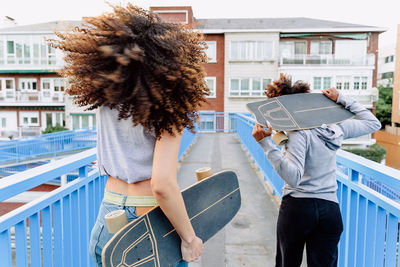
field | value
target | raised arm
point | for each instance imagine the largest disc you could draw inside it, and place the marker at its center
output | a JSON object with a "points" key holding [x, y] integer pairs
{"points": [[289, 165], [364, 123], [168, 195]]}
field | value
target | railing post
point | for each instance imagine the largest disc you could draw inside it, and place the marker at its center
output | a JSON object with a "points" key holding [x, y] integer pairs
{"points": [[83, 171]]}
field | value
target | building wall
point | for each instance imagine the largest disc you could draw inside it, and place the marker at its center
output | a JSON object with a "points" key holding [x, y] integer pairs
{"points": [[248, 69], [396, 85], [392, 144], [386, 68], [216, 69]]}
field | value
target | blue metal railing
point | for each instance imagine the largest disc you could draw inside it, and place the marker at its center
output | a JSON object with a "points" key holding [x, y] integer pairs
{"points": [[370, 219], [54, 229], [46, 145]]}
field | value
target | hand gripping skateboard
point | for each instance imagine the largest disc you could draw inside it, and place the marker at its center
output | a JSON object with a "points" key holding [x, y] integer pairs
{"points": [[298, 112], [151, 240]]}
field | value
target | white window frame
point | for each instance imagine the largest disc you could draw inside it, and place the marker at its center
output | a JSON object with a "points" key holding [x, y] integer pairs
{"points": [[91, 120], [319, 47], [251, 92], [213, 93], [175, 11], [249, 49], [8, 93], [27, 81], [212, 51], [29, 115], [343, 80], [322, 82], [60, 82]]}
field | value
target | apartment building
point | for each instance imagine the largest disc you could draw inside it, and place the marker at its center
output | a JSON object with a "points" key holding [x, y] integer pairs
{"points": [[386, 65]]}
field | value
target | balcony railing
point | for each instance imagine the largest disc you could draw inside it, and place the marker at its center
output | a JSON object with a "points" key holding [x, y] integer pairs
{"points": [[32, 97], [328, 60]]}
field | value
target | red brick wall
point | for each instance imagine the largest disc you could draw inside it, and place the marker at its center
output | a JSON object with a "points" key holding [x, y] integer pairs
{"points": [[178, 16], [38, 76], [373, 49], [216, 70]]}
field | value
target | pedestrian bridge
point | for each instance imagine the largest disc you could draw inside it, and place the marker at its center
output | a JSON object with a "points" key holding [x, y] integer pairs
{"points": [[53, 230]]}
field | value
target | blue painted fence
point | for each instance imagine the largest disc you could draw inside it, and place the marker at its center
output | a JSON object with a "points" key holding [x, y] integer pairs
{"points": [[370, 218], [49, 145], [54, 229]]}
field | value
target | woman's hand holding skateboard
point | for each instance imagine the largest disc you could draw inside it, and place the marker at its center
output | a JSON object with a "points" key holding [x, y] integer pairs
{"points": [[331, 93], [260, 133]]}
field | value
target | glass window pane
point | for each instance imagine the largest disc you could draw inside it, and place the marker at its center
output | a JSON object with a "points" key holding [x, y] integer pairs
{"points": [[314, 48], [3, 122], [234, 50], [256, 84], [234, 84], [94, 120], [49, 119], [364, 83], [9, 84], [245, 85], [25, 120], [10, 47], [327, 82], [85, 121], [75, 122], [265, 83], [34, 120], [299, 48], [317, 83], [1, 52], [243, 50]]}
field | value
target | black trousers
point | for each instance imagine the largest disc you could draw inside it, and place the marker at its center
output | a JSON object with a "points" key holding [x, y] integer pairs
{"points": [[315, 223]]}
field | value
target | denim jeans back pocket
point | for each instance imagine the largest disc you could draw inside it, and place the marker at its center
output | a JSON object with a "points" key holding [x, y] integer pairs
{"points": [[94, 242]]}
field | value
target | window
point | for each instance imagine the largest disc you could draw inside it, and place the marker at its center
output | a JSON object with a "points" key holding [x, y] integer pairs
{"points": [[211, 84], [27, 84], [389, 59], [10, 52], [207, 121], [29, 118], [364, 82], [321, 47], [211, 51], [356, 85], [83, 120], [1, 52], [251, 50], [248, 86], [343, 82], [387, 75], [3, 122], [290, 49], [322, 83], [354, 50], [59, 85]]}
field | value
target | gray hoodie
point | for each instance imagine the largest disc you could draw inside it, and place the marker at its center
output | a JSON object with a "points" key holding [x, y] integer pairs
{"points": [[307, 163]]}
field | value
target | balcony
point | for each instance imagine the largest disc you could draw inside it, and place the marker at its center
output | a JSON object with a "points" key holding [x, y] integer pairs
{"points": [[326, 60], [12, 97], [53, 230], [39, 65]]}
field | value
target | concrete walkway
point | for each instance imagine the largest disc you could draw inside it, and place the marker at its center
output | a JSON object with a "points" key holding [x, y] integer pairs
{"points": [[250, 238]]}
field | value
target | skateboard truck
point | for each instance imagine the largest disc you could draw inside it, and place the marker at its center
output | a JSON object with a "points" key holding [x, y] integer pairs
{"points": [[280, 138], [115, 220], [203, 173]]}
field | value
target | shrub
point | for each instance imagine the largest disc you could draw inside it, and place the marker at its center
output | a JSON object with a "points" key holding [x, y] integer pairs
{"points": [[375, 152], [53, 129]]}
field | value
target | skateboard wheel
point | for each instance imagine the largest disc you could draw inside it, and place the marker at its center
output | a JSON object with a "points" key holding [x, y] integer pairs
{"points": [[203, 173], [280, 138], [115, 220]]}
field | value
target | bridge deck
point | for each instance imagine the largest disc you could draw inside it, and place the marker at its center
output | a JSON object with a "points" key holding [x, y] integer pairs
{"points": [[250, 239]]}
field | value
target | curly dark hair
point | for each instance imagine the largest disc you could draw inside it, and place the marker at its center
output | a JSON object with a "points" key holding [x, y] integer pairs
{"points": [[129, 60], [283, 86]]}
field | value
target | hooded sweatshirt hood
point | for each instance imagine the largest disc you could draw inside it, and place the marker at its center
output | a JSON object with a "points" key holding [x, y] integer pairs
{"points": [[331, 135]]}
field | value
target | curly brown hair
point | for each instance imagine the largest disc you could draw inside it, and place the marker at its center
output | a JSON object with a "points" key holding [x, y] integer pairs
{"points": [[283, 86], [129, 60]]}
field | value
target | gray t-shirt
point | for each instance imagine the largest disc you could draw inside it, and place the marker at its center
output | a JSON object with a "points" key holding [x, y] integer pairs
{"points": [[307, 163], [124, 151]]}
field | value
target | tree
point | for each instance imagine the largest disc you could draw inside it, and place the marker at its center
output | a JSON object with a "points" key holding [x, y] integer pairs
{"points": [[384, 105]]}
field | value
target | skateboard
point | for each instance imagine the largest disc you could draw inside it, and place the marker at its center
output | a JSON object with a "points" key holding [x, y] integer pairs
{"points": [[151, 240], [298, 112]]}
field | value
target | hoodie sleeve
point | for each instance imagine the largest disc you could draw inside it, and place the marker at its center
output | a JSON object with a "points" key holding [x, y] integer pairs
{"points": [[365, 122], [289, 164]]}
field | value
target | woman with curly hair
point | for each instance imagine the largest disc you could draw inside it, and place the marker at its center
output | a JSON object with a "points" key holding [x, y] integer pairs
{"points": [[146, 80], [309, 213]]}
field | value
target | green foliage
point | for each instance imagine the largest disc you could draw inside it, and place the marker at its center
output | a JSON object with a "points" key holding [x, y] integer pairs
{"points": [[374, 152], [53, 129], [384, 105]]}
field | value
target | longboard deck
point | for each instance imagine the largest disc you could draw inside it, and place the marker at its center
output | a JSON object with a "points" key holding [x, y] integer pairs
{"points": [[298, 111], [151, 240]]}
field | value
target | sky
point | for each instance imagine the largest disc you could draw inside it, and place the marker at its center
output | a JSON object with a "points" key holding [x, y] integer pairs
{"points": [[381, 13]]}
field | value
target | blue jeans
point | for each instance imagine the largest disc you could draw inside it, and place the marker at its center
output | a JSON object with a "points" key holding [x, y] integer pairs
{"points": [[100, 235]]}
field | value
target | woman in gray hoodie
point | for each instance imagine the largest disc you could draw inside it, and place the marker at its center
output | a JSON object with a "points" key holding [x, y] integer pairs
{"points": [[309, 213]]}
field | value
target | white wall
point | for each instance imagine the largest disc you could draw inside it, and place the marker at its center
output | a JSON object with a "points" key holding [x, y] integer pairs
{"points": [[248, 69], [11, 120]]}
